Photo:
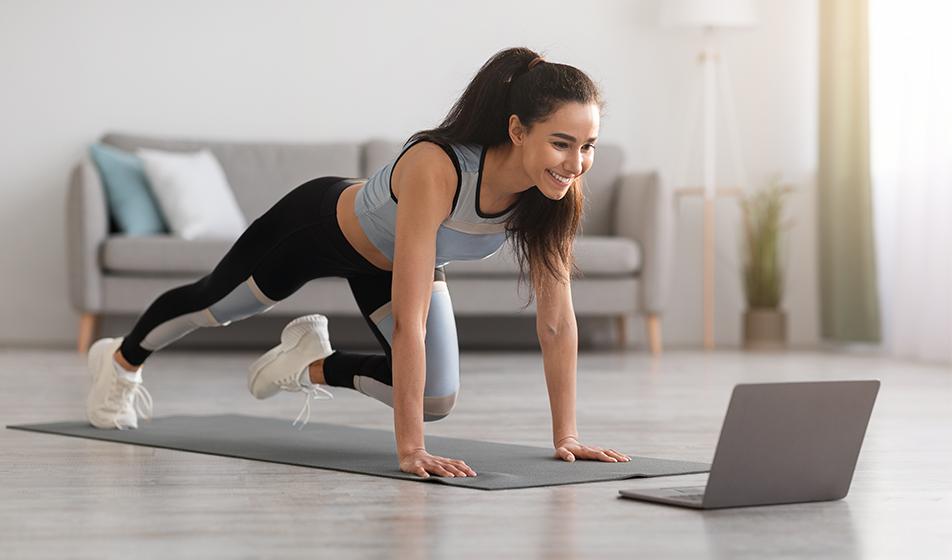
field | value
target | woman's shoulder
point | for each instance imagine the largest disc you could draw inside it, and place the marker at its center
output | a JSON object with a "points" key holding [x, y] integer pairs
{"points": [[425, 164], [465, 154], [432, 155]]}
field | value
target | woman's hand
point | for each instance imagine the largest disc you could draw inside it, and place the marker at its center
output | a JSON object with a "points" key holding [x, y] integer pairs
{"points": [[421, 463], [569, 448]]}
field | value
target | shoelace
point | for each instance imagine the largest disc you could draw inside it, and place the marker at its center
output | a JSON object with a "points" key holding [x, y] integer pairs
{"points": [[141, 399], [310, 392]]}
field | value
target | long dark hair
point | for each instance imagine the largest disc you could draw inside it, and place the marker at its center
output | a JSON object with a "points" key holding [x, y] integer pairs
{"points": [[543, 230]]}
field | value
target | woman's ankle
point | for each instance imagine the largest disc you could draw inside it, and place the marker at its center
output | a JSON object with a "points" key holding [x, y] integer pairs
{"points": [[124, 363], [315, 372]]}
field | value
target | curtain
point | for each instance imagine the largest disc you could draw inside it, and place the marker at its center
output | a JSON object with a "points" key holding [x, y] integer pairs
{"points": [[849, 307], [911, 147]]}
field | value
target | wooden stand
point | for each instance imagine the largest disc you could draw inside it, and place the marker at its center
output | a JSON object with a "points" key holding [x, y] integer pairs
{"points": [[88, 324], [709, 222]]}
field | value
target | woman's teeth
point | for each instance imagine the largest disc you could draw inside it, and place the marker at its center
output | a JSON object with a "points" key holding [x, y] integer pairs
{"points": [[559, 178]]}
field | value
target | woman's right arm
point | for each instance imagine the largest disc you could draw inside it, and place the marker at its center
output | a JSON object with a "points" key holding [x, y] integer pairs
{"points": [[424, 183]]}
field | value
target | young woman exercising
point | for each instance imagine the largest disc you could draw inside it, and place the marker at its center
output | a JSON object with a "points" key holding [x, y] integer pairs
{"points": [[505, 164]]}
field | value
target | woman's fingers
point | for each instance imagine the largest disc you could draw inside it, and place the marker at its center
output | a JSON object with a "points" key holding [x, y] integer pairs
{"points": [[451, 467], [463, 468], [607, 455], [422, 464], [601, 455], [586, 452], [619, 456], [460, 468]]}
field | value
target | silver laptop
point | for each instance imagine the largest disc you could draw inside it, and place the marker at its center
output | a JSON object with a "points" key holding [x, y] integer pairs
{"points": [[781, 443]]}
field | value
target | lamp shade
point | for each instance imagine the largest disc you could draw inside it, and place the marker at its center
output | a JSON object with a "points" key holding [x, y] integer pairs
{"points": [[708, 13]]}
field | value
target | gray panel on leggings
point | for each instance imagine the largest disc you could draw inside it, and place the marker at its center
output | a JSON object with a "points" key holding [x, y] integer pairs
{"points": [[168, 332], [434, 408], [442, 346], [498, 466], [240, 303]]}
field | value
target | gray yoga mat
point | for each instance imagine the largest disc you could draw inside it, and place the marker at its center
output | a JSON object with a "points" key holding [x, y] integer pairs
{"points": [[499, 466]]}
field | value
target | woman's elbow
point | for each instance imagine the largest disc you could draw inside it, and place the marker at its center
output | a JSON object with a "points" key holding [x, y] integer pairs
{"points": [[413, 329]]}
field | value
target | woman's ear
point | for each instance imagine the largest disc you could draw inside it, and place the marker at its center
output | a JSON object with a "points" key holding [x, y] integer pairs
{"points": [[517, 132]]}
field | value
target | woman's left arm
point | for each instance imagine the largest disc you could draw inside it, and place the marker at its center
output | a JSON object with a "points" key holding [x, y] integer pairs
{"points": [[557, 330]]}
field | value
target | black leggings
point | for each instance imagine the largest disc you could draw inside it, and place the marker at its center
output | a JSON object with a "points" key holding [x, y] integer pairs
{"points": [[295, 241]]}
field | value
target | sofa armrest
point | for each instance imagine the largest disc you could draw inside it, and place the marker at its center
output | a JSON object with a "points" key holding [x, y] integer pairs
{"points": [[644, 213], [87, 225]]}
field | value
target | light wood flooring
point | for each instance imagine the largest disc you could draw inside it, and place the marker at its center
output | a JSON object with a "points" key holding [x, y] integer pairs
{"points": [[64, 497]]}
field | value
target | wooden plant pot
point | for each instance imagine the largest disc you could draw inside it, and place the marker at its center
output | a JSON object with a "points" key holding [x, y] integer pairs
{"points": [[765, 329]]}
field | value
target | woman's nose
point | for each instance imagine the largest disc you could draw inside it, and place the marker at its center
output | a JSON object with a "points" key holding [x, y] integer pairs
{"points": [[574, 165]]}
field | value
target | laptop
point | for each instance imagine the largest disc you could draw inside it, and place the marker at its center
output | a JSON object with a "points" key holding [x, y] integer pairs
{"points": [[781, 443]]}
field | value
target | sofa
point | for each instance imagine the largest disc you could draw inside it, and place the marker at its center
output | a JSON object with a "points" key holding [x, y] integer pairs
{"points": [[623, 249]]}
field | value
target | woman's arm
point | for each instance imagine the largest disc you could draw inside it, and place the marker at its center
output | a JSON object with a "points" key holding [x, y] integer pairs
{"points": [[558, 336], [423, 182]]}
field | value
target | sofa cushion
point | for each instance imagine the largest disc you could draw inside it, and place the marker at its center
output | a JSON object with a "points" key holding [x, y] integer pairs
{"points": [[131, 200], [162, 254], [194, 194], [259, 173], [596, 256]]}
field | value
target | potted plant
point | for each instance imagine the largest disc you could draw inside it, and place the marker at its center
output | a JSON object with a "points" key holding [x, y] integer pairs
{"points": [[765, 324]]}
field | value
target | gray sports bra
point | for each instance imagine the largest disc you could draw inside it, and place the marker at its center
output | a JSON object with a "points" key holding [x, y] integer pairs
{"points": [[467, 234]]}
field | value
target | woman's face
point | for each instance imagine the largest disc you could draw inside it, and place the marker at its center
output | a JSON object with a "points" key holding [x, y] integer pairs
{"points": [[561, 148]]}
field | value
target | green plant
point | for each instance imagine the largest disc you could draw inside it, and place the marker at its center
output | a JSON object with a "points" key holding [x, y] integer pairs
{"points": [[762, 269]]}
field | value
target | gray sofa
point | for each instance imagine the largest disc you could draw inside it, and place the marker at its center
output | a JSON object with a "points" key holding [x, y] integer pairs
{"points": [[623, 250]]}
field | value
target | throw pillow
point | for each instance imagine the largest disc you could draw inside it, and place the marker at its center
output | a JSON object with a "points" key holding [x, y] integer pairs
{"points": [[194, 194], [130, 200]]}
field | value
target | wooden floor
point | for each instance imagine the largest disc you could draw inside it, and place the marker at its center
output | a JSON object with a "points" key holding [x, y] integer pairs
{"points": [[67, 497]]}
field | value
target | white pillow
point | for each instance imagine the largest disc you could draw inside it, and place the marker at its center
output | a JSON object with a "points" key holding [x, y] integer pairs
{"points": [[194, 194]]}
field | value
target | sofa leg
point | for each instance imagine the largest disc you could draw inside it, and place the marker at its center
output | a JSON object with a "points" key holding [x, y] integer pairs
{"points": [[621, 328], [653, 328], [87, 331]]}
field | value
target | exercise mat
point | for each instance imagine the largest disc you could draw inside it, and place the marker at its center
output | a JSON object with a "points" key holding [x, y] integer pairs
{"points": [[499, 466]]}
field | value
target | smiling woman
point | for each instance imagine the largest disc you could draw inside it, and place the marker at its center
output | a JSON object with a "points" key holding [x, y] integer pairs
{"points": [[506, 164]]}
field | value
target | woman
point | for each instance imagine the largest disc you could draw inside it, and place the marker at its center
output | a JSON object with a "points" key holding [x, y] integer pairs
{"points": [[506, 163]]}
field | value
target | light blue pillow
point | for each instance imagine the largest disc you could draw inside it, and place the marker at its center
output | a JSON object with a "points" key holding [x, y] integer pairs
{"points": [[129, 196]]}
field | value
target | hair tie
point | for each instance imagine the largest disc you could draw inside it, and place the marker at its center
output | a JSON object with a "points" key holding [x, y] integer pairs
{"points": [[536, 61]]}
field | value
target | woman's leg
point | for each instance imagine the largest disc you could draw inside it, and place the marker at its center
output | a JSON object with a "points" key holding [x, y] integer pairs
{"points": [[278, 253], [371, 374]]}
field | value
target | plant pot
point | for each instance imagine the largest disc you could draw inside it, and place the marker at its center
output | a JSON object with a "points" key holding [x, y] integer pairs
{"points": [[765, 329]]}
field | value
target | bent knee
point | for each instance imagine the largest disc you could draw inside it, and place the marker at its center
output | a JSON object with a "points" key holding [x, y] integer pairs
{"points": [[437, 408]]}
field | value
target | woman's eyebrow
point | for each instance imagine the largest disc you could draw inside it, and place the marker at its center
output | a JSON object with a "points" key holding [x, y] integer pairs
{"points": [[570, 137]]}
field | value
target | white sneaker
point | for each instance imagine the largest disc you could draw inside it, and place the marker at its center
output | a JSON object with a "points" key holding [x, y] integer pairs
{"points": [[285, 367], [114, 400]]}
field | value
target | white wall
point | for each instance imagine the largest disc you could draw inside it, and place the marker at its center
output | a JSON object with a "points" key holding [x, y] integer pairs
{"points": [[314, 71]]}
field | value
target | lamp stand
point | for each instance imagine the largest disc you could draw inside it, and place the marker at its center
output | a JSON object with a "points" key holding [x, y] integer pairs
{"points": [[714, 76]]}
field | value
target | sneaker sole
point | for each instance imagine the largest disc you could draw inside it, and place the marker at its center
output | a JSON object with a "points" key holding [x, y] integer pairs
{"points": [[289, 342]]}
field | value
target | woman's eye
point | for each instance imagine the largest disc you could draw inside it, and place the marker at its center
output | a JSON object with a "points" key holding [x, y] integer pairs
{"points": [[588, 147]]}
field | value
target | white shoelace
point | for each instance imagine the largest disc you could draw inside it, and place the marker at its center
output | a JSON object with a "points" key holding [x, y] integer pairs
{"points": [[310, 392], [141, 399]]}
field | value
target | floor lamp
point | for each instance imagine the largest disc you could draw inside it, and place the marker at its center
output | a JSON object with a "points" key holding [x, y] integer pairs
{"points": [[711, 15]]}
